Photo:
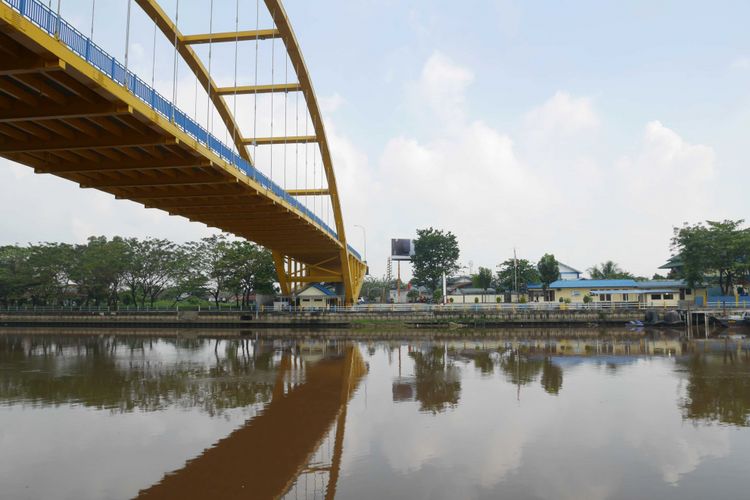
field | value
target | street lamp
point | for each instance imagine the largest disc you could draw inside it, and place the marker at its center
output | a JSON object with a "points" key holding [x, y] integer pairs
{"points": [[364, 236]]}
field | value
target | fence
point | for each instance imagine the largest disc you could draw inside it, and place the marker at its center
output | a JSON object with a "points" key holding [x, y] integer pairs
{"points": [[361, 308]]}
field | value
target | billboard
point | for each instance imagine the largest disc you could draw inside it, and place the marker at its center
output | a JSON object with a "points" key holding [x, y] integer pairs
{"points": [[402, 249]]}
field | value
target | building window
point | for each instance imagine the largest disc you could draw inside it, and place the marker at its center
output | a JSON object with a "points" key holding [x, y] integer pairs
{"points": [[655, 296], [624, 297], [605, 297], [688, 292], [668, 296]]}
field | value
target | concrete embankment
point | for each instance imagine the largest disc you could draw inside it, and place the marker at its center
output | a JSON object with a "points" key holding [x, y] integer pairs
{"points": [[319, 319]]}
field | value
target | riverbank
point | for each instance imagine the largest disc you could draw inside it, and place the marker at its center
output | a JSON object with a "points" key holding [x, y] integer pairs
{"points": [[450, 319]]}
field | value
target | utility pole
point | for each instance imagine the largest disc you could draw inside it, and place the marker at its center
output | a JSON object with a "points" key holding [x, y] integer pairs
{"points": [[388, 278], [515, 271], [398, 282]]}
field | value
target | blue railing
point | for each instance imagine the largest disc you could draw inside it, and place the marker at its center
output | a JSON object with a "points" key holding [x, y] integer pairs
{"points": [[46, 19]]}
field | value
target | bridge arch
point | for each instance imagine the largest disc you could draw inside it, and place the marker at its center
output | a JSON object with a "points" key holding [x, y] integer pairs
{"points": [[295, 264]]}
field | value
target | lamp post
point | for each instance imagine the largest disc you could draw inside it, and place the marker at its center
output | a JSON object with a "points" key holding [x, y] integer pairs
{"points": [[364, 236]]}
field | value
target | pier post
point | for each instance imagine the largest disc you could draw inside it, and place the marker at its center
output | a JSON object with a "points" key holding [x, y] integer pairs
{"points": [[705, 320]]}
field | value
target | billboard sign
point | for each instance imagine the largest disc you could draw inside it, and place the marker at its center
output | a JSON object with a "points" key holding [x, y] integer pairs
{"points": [[402, 249]]}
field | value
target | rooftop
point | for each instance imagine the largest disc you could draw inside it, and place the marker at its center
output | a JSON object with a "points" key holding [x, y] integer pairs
{"points": [[618, 284]]}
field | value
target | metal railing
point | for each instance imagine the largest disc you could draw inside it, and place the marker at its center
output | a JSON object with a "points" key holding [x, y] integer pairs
{"points": [[47, 20], [360, 308]]}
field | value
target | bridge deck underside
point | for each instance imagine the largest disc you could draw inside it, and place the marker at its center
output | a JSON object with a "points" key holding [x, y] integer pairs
{"points": [[61, 117]]}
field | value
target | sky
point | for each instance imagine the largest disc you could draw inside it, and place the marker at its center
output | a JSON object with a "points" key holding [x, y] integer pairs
{"points": [[586, 129]]}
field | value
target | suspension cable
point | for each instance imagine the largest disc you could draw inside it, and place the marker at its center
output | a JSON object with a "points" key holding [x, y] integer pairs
{"points": [[93, 10], [127, 42], [236, 49], [286, 99], [153, 58], [273, 47], [175, 66], [296, 132], [315, 170], [195, 104], [307, 148], [255, 99], [57, 21], [209, 114]]}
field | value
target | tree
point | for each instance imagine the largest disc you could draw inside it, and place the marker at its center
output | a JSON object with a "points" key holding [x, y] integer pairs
{"points": [[47, 271], [13, 274], [98, 269], [188, 279], [376, 289], [150, 266], [525, 271], [549, 270], [609, 270], [720, 249], [252, 270], [483, 279], [435, 252], [215, 263]]}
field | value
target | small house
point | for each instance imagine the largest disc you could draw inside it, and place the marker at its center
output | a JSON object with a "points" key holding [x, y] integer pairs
{"points": [[317, 296]]}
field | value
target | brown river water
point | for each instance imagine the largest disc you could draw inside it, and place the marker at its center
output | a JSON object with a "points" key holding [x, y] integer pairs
{"points": [[588, 415]]}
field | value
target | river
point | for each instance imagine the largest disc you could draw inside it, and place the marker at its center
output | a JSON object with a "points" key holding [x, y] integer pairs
{"points": [[589, 415]]}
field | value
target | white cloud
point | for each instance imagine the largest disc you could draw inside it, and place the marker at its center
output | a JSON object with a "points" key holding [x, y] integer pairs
{"points": [[667, 171], [545, 187], [443, 84], [47, 208], [562, 116], [741, 63], [331, 103]]}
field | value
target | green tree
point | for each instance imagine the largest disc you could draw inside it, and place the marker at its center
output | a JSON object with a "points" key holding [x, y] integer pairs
{"points": [[549, 270], [720, 249], [13, 274], [188, 280], [435, 252], [483, 278], [252, 270], [525, 271], [150, 267], [215, 264], [98, 269], [47, 271], [376, 289], [609, 270]]}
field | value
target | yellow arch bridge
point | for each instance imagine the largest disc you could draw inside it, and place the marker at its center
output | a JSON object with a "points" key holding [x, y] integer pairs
{"points": [[70, 109]]}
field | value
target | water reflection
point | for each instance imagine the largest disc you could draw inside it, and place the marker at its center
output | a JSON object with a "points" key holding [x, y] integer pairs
{"points": [[718, 387], [263, 458], [602, 417], [437, 380], [126, 374]]}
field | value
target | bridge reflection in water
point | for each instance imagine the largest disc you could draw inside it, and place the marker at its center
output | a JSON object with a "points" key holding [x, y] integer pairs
{"points": [[265, 458]]}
